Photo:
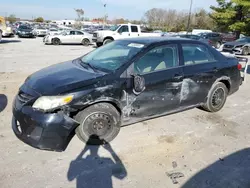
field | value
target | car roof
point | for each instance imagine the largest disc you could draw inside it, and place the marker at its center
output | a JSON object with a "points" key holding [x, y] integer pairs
{"points": [[151, 40]]}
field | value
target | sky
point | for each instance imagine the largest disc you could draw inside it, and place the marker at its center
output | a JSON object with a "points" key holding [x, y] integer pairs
{"points": [[64, 9]]}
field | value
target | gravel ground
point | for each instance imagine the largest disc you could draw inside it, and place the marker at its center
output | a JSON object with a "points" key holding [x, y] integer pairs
{"points": [[209, 150]]}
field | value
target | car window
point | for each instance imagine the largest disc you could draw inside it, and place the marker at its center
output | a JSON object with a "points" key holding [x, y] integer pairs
{"points": [[78, 33], [123, 29], [159, 58], [72, 32], [134, 29], [196, 54]]}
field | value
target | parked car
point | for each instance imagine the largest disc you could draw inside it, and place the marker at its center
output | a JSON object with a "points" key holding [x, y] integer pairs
{"points": [[215, 38], [41, 31], [53, 31], [69, 37], [121, 83], [120, 32], [25, 31], [240, 46], [195, 37]]}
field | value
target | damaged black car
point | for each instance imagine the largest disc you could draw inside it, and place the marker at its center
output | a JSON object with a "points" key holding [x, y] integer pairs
{"points": [[121, 83]]}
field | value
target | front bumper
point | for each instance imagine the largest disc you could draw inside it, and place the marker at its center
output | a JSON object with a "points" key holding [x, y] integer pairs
{"points": [[97, 39], [47, 40], [45, 131], [237, 51], [26, 35]]}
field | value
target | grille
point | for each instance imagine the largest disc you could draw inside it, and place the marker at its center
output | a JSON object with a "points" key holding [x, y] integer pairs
{"points": [[95, 35], [228, 46], [23, 97]]}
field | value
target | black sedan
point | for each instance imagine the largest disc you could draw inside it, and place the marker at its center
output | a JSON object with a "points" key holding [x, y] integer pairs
{"points": [[24, 31], [121, 83]]}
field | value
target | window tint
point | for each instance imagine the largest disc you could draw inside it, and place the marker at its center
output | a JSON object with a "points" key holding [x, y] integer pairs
{"points": [[134, 29], [78, 33], [196, 54], [123, 29], [159, 58]]}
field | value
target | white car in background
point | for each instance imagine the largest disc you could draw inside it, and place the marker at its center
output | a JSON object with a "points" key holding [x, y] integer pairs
{"points": [[40, 31], [54, 31], [69, 37]]}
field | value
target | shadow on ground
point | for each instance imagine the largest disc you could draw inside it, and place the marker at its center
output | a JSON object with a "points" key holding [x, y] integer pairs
{"points": [[3, 41], [94, 171], [232, 171], [3, 102]]}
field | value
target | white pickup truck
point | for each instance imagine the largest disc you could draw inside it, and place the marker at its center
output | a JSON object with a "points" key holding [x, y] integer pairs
{"points": [[120, 32]]}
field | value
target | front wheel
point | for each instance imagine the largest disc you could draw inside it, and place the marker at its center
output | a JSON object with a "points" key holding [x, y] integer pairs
{"points": [[245, 51], [99, 44], [107, 41], [217, 97], [56, 41], [99, 123]]}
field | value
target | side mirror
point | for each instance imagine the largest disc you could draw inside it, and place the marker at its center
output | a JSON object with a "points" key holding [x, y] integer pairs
{"points": [[139, 84]]}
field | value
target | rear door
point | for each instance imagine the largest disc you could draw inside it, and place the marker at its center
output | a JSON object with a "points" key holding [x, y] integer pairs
{"points": [[200, 68], [134, 31], [78, 37]]}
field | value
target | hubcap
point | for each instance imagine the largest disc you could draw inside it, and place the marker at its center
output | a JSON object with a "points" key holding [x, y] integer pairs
{"points": [[218, 97], [99, 124]]}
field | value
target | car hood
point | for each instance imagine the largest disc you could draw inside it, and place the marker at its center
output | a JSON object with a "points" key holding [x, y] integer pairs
{"points": [[61, 78], [235, 43], [106, 32]]}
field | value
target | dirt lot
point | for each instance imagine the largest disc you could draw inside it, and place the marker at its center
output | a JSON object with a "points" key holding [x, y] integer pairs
{"points": [[210, 150]]}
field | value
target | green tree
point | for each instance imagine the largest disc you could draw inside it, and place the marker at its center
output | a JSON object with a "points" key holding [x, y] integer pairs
{"points": [[39, 19], [232, 15], [12, 18]]}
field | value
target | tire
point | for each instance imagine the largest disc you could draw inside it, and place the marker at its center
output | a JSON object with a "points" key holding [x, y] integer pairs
{"points": [[217, 97], [85, 42], [217, 45], [56, 41], [107, 41], [99, 44], [245, 51], [1, 36], [99, 123]]}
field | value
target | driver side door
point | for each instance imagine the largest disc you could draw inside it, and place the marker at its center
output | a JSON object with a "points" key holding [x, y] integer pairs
{"points": [[160, 70], [124, 32], [69, 38]]}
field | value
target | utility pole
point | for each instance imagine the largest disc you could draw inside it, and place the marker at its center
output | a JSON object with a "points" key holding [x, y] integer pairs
{"points": [[105, 13], [189, 16]]}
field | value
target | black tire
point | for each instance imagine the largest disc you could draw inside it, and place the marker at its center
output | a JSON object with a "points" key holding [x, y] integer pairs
{"points": [[99, 44], [106, 41], [56, 41], [217, 97], [245, 50], [85, 42], [1, 36], [99, 123]]}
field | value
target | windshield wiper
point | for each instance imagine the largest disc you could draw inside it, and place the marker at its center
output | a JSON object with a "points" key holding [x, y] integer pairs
{"points": [[89, 65]]}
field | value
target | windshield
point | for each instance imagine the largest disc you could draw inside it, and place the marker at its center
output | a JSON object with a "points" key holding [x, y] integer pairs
{"points": [[24, 27], [114, 27], [243, 40], [113, 55]]}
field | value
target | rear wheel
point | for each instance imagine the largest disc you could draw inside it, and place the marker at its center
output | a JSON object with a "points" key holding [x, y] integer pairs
{"points": [[56, 41], [245, 51], [107, 41], [99, 123], [85, 42], [217, 97], [0, 35]]}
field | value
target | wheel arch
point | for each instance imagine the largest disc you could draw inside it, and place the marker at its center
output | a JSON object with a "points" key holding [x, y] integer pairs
{"points": [[225, 80], [109, 37]]}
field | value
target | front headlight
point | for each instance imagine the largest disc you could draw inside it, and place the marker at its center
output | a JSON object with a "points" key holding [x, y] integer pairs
{"points": [[52, 102]]}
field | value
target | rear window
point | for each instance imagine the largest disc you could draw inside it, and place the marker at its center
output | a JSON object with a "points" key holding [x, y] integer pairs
{"points": [[196, 54]]}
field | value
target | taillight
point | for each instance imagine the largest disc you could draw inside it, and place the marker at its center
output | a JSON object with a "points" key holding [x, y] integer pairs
{"points": [[239, 66]]}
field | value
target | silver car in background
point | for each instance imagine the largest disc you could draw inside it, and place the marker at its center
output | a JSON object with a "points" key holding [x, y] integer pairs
{"points": [[69, 37]]}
